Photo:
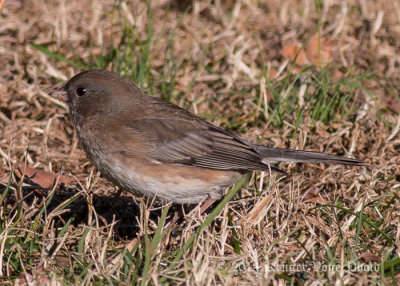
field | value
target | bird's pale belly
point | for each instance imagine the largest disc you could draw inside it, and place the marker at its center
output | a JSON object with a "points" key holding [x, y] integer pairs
{"points": [[171, 182]]}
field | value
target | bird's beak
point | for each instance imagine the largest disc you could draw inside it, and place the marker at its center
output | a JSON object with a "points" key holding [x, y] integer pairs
{"points": [[60, 94]]}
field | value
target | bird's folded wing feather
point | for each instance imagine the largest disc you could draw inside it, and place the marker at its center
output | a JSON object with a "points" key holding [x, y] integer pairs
{"points": [[196, 143]]}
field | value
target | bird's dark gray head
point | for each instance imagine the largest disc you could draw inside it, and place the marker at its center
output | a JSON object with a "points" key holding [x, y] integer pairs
{"points": [[95, 92]]}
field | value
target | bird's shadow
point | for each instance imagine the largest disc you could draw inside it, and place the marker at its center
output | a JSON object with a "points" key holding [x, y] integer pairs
{"points": [[123, 211]]}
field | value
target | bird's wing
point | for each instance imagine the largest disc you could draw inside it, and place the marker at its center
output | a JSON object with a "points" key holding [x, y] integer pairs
{"points": [[196, 143]]}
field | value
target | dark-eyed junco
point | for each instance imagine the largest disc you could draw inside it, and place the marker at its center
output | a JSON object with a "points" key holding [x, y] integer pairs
{"points": [[149, 146]]}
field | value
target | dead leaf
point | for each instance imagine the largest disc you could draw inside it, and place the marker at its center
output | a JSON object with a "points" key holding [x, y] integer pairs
{"points": [[392, 104], [43, 178], [370, 257], [38, 277], [317, 51]]}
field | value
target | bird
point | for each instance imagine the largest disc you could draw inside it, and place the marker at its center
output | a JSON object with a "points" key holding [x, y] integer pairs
{"points": [[151, 147]]}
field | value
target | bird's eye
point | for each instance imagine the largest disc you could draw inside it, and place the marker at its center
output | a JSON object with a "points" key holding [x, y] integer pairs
{"points": [[80, 91]]}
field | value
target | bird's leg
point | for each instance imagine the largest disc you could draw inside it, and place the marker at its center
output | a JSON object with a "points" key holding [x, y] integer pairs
{"points": [[206, 205]]}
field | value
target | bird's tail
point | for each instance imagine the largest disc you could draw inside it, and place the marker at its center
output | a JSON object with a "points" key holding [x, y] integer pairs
{"points": [[274, 155]]}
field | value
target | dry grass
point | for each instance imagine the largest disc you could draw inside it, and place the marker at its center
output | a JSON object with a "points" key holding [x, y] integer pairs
{"points": [[232, 63]]}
